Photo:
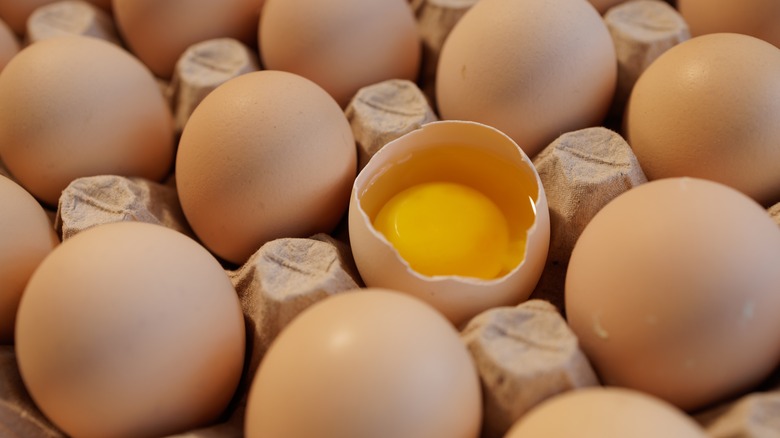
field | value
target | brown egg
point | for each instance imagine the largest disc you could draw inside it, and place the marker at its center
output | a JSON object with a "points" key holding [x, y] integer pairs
{"points": [[26, 237], [159, 32], [672, 290], [266, 155], [16, 12], [533, 69], [708, 108], [369, 363], [342, 45], [9, 44], [605, 413], [758, 18], [130, 330], [603, 5], [78, 106]]}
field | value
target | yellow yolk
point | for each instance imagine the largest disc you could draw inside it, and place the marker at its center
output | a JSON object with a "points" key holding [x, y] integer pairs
{"points": [[444, 228]]}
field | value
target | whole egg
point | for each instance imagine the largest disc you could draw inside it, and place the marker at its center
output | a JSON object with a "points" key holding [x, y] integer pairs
{"points": [[672, 290], [342, 45], [605, 413], [26, 237], [159, 32], [758, 18], [130, 330], [366, 363], [266, 155], [708, 108], [533, 69], [77, 106]]}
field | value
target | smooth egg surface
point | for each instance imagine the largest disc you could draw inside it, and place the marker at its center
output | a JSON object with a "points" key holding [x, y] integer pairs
{"points": [[130, 330], [77, 106], [366, 363], [159, 32], [532, 69], [672, 290], [26, 237], [266, 155], [605, 413], [342, 45], [708, 108], [758, 18]]}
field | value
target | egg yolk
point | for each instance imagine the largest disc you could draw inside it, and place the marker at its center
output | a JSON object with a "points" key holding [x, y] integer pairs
{"points": [[444, 228]]}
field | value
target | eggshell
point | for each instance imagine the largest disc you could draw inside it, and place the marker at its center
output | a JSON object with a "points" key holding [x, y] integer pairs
{"points": [[9, 44], [266, 155], [533, 69], [16, 12], [342, 45], [130, 330], [26, 237], [369, 363], [672, 290], [77, 106], [758, 18], [605, 413], [708, 108], [159, 32], [603, 5], [489, 152]]}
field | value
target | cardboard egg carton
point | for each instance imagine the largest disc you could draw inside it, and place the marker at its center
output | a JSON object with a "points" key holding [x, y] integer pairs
{"points": [[524, 354]]}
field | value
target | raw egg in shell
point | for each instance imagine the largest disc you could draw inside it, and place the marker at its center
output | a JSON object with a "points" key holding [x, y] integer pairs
{"points": [[453, 213]]}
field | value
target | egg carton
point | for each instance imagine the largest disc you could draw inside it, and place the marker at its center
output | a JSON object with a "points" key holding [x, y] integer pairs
{"points": [[524, 354]]}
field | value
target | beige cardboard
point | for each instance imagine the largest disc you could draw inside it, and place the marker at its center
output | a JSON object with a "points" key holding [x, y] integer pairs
{"points": [[524, 355]]}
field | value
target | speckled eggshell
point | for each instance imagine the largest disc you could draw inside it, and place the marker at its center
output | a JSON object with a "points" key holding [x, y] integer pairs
{"points": [[605, 413], [16, 12], [366, 363], [266, 155], [708, 108], [26, 237], [342, 45], [533, 69], [78, 106], [758, 18], [130, 330], [672, 290], [159, 32]]}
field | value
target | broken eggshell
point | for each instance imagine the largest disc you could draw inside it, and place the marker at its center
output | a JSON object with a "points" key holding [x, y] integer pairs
{"points": [[473, 154]]}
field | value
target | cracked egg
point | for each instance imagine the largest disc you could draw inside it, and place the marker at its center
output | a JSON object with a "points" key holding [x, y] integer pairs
{"points": [[453, 213]]}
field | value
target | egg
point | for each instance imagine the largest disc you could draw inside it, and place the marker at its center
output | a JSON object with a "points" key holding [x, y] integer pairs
{"points": [[76, 106], [130, 330], [16, 12], [9, 45], [603, 5], [159, 32], [672, 290], [266, 155], [605, 413], [707, 108], [342, 45], [758, 18], [532, 68], [368, 363], [474, 235], [26, 237]]}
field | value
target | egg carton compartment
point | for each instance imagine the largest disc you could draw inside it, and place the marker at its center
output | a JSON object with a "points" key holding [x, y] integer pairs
{"points": [[524, 354]]}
